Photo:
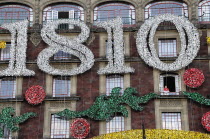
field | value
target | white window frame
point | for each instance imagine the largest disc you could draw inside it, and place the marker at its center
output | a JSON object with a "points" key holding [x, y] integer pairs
{"points": [[14, 89], [177, 84], [171, 123], [118, 80], [114, 125], [161, 54], [58, 125], [67, 82]]}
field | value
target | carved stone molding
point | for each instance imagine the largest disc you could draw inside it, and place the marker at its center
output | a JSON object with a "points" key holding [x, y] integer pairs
{"points": [[170, 103], [35, 38]]}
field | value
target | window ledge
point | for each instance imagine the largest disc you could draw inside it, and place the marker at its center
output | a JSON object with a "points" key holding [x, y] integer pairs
{"points": [[50, 98], [170, 96], [11, 99]]}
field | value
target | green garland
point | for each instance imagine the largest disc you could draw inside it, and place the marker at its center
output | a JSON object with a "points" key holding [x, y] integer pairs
{"points": [[197, 97], [105, 106], [7, 119]]}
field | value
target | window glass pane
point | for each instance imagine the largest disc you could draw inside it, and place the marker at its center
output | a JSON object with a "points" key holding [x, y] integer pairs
{"points": [[59, 127], [115, 125], [156, 8], [13, 13], [171, 121], [112, 10], [62, 56], [61, 86], [113, 81], [8, 87], [5, 53], [204, 10], [167, 47]]}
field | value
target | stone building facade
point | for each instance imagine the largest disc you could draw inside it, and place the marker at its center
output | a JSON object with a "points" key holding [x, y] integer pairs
{"points": [[81, 90]]}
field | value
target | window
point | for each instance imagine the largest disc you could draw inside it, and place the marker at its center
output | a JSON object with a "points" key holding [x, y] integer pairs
{"points": [[62, 56], [63, 11], [171, 7], [171, 120], [61, 86], [59, 127], [167, 47], [169, 84], [112, 10], [5, 52], [6, 132], [13, 13], [204, 10], [115, 125], [114, 81], [7, 87]]}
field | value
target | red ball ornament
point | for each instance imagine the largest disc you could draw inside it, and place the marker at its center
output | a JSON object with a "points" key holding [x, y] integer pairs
{"points": [[206, 121], [35, 95], [193, 77], [80, 128]]}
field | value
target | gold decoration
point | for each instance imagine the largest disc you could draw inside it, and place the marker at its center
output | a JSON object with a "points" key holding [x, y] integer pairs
{"points": [[155, 134], [208, 40], [2, 44]]}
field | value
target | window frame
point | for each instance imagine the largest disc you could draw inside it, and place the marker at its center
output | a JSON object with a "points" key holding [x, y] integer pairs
{"points": [[20, 6], [50, 9], [131, 9], [147, 11], [166, 54], [66, 81], [177, 84], [205, 4], [67, 122], [114, 79], [171, 121], [169, 35], [114, 122], [171, 105], [52, 107], [49, 82], [17, 88]]}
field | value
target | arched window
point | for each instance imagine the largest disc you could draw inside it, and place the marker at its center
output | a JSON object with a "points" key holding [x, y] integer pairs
{"points": [[169, 84], [163, 7], [63, 11], [15, 12], [204, 11], [109, 11]]}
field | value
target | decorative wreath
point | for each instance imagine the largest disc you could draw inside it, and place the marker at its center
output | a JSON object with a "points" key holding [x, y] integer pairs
{"points": [[35, 95], [206, 121], [80, 128], [193, 77]]}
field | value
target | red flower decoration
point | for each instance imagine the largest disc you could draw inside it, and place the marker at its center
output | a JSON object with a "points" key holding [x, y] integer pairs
{"points": [[80, 128], [193, 77], [206, 121], [35, 95]]}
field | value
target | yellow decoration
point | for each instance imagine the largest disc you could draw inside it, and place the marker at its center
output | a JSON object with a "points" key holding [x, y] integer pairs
{"points": [[2, 44], [155, 134], [208, 40]]}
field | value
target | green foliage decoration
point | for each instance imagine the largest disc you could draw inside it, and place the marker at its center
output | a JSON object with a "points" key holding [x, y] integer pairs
{"points": [[197, 97], [105, 106], [7, 119]]}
